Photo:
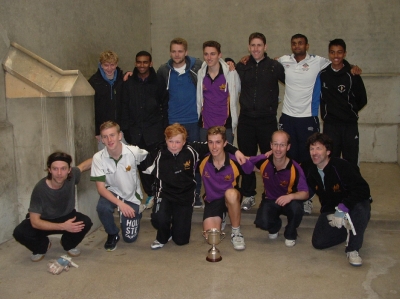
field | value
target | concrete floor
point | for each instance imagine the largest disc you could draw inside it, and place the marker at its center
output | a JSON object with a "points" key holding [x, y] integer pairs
{"points": [[266, 269]]}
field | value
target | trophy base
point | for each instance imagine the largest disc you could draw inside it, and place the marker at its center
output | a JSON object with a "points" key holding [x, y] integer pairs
{"points": [[214, 260]]}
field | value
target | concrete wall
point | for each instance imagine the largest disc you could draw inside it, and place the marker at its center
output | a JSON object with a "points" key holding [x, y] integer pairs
{"points": [[71, 34], [369, 27], [48, 109], [8, 181]]}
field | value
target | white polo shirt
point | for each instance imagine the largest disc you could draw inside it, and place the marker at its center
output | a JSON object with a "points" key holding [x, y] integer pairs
{"points": [[121, 177], [299, 80]]}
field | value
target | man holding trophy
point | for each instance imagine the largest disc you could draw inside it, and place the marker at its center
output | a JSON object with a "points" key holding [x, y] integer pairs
{"points": [[219, 171]]}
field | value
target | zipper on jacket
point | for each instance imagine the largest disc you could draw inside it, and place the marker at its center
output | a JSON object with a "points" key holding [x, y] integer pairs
{"points": [[255, 89]]}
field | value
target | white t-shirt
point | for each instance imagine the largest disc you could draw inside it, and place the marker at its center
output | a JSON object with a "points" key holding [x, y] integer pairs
{"points": [[121, 177], [180, 70], [299, 80]]}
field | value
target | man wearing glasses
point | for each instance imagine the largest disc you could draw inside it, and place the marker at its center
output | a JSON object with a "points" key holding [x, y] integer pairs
{"points": [[285, 189]]}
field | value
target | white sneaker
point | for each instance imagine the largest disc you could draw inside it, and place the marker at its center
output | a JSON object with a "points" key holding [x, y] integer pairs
{"points": [[38, 257], [273, 236], [149, 202], [142, 208], [354, 258], [158, 245], [308, 205], [290, 243], [238, 241], [248, 202]]}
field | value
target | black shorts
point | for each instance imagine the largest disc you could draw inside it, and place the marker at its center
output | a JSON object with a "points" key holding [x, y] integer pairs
{"points": [[215, 208]]}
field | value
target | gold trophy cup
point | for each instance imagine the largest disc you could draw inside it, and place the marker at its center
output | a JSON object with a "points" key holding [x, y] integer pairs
{"points": [[213, 237]]}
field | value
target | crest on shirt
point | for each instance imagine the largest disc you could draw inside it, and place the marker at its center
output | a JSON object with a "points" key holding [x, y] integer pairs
{"points": [[186, 165], [222, 87], [284, 183], [206, 174], [228, 177], [341, 88], [204, 87], [128, 168], [336, 188], [265, 175], [306, 67]]}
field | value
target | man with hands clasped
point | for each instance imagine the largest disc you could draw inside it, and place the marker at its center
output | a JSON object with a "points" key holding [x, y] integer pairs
{"points": [[285, 189], [52, 209], [344, 196]]}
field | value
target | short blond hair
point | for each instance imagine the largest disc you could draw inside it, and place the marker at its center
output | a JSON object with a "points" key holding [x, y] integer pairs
{"points": [[109, 124], [217, 130], [108, 56]]}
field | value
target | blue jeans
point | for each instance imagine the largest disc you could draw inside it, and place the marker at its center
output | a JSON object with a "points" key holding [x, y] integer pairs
{"points": [[203, 135], [193, 131], [130, 226]]}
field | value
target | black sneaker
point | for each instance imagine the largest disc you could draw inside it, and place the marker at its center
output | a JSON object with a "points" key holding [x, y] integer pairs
{"points": [[198, 204], [111, 243]]}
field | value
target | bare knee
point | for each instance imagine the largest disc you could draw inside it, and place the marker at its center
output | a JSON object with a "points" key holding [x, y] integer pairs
{"points": [[232, 196]]}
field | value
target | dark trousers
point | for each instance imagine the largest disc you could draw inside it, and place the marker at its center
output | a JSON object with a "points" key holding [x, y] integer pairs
{"points": [[345, 141], [325, 236], [147, 180], [268, 213], [299, 129], [171, 219], [254, 133], [37, 241]]}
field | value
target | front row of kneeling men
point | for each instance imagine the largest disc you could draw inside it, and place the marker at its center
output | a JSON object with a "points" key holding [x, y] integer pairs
{"points": [[344, 195]]}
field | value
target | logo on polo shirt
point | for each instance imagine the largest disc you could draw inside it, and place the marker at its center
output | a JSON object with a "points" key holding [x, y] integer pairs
{"points": [[186, 165], [306, 67], [222, 87], [128, 168], [206, 174], [228, 177], [265, 176], [336, 188], [341, 88], [204, 87], [284, 183]]}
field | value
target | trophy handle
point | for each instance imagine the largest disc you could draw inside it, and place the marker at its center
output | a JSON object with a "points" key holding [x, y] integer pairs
{"points": [[205, 235], [222, 235]]}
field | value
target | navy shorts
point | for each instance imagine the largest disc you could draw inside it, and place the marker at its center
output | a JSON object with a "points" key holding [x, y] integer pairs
{"points": [[214, 208]]}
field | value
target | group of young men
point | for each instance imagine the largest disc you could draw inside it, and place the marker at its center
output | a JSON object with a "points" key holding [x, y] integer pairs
{"points": [[188, 101]]}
